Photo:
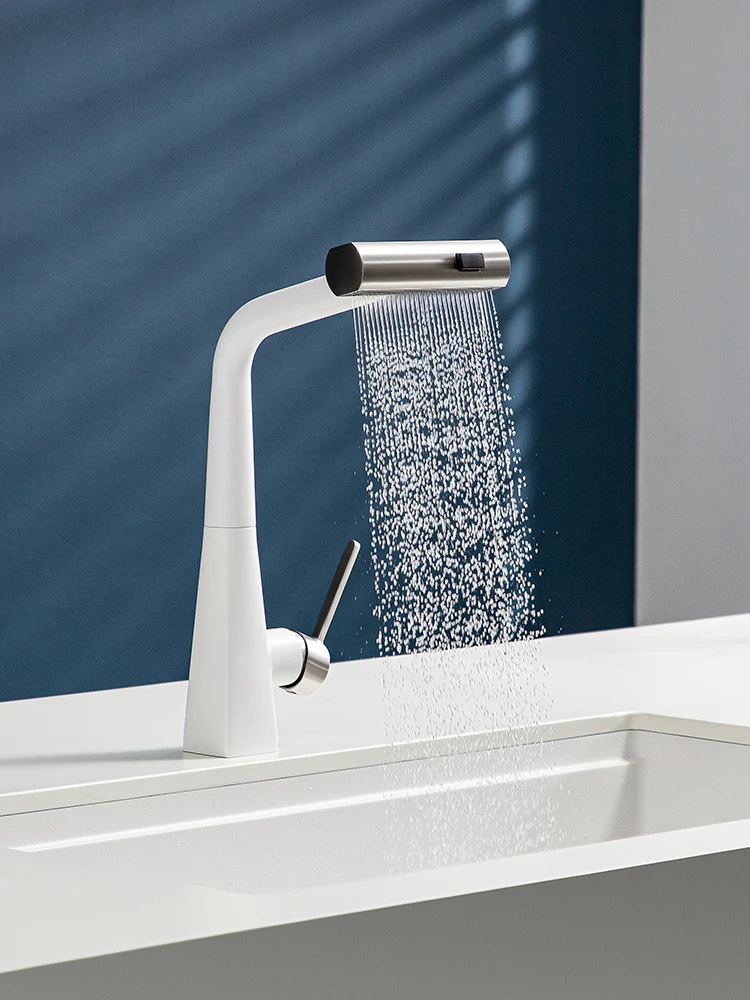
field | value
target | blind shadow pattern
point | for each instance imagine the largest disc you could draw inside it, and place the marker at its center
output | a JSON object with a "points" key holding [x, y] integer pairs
{"points": [[163, 162]]}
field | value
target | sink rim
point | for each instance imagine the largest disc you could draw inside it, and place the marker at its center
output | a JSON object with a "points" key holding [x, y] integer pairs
{"points": [[270, 767], [149, 914]]}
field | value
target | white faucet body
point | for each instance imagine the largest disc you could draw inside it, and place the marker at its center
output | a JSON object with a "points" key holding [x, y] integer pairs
{"points": [[230, 703]]}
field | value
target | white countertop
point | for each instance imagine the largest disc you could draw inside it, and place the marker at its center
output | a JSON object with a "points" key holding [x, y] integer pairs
{"points": [[121, 744]]}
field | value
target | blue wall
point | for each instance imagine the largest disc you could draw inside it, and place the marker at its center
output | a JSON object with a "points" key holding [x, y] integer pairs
{"points": [[164, 161]]}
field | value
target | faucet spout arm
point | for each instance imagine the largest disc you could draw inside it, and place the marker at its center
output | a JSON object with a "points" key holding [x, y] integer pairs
{"points": [[230, 481]]}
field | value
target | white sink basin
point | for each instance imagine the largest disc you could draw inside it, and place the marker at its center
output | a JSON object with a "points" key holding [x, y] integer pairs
{"points": [[614, 863], [282, 834]]}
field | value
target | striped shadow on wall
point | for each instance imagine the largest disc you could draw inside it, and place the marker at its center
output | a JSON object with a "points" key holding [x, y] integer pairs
{"points": [[165, 161]]}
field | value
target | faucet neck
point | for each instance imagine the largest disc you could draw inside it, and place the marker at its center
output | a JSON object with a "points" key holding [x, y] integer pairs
{"points": [[230, 480]]}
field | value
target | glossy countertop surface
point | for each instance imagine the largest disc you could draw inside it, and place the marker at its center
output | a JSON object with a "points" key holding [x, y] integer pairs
{"points": [[109, 745]]}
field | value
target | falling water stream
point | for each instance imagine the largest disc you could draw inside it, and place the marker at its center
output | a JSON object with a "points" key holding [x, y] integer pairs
{"points": [[452, 553]]}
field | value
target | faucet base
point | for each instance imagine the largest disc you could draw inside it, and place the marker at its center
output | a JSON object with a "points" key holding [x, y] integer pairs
{"points": [[230, 708]]}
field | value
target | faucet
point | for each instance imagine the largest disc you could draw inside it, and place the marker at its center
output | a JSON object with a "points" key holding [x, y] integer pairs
{"points": [[236, 661]]}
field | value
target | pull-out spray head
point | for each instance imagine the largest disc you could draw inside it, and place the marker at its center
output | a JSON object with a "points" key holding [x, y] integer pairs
{"points": [[429, 266]]}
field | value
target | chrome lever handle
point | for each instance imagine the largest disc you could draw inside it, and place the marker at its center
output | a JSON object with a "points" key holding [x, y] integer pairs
{"points": [[338, 583], [300, 662]]}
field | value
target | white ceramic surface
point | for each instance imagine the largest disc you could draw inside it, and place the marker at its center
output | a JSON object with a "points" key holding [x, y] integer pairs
{"points": [[293, 833], [623, 801]]}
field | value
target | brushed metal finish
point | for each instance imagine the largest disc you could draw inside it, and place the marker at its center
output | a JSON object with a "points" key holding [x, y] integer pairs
{"points": [[316, 659], [338, 583], [315, 668], [355, 268]]}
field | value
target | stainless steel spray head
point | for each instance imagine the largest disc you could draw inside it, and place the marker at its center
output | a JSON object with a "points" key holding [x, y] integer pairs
{"points": [[423, 266]]}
